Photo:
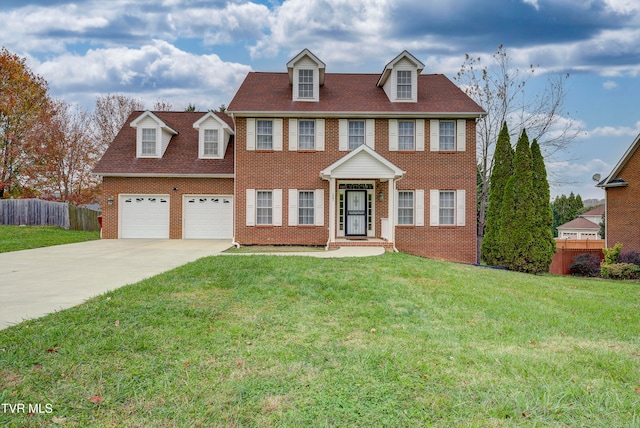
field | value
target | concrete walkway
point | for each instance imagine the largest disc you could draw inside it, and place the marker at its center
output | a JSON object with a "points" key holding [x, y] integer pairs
{"points": [[36, 282]]}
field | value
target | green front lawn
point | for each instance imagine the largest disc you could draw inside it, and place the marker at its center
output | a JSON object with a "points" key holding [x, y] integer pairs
{"points": [[394, 340], [15, 238]]}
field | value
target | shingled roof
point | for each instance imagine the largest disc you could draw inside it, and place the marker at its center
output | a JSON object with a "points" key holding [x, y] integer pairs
{"points": [[180, 158], [346, 94]]}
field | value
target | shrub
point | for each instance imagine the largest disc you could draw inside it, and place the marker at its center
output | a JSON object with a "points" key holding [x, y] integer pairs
{"points": [[587, 264], [629, 257], [611, 254], [620, 271]]}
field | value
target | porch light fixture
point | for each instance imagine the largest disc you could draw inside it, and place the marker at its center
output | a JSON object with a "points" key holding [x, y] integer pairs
{"points": [[110, 200], [381, 196]]}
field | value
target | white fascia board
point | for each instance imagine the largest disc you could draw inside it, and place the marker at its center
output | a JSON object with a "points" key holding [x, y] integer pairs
{"points": [[351, 114]]}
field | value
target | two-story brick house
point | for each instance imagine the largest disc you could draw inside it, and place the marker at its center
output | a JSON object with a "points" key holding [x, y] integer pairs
{"points": [[344, 159]]}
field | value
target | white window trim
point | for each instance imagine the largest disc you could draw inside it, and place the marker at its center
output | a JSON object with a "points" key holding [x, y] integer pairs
{"points": [[459, 214], [418, 207], [343, 133], [140, 133], [418, 135], [201, 143], [410, 85], [251, 216], [252, 134], [318, 208], [460, 133], [319, 135]]}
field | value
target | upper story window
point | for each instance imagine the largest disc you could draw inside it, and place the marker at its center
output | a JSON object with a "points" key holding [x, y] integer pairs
{"points": [[447, 135], [149, 142], [210, 143], [264, 134], [406, 135], [305, 83], [404, 84], [356, 133], [306, 135]]}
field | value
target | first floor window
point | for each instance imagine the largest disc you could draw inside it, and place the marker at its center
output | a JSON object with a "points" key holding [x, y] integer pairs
{"points": [[264, 207], [264, 140], [447, 135], [405, 207], [406, 132], [306, 135], [447, 207], [210, 142], [356, 134], [149, 141], [305, 207]]}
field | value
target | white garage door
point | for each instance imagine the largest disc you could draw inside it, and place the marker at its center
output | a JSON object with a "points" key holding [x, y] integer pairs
{"points": [[208, 217], [144, 216]]}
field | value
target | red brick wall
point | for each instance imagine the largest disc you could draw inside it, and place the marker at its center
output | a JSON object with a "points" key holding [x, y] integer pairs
{"points": [[623, 208], [300, 170], [114, 186]]}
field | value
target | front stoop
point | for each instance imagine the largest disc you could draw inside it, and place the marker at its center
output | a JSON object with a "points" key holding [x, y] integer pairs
{"points": [[365, 242]]}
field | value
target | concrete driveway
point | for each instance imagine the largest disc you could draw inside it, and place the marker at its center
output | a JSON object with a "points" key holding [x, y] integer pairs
{"points": [[36, 282]]}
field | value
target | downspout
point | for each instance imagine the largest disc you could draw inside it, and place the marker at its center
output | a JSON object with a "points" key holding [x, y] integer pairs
{"points": [[235, 188]]}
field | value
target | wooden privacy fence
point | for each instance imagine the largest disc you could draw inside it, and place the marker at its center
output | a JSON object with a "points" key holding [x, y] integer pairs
{"points": [[567, 249], [36, 212]]}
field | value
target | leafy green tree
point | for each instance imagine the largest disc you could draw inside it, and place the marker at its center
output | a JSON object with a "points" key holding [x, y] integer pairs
{"points": [[516, 234], [543, 245], [502, 171], [565, 209]]}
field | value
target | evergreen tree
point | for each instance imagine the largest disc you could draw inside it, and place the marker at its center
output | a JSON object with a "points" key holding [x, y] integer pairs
{"points": [[502, 171], [516, 234], [543, 245]]}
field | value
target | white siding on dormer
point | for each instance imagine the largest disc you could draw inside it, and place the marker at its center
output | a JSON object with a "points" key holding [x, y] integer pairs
{"points": [[306, 63], [223, 137], [391, 85]]}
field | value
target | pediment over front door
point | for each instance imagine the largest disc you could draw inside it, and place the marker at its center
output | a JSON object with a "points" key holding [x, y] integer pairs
{"points": [[362, 163]]}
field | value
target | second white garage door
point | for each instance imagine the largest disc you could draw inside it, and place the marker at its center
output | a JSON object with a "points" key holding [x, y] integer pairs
{"points": [[207, 217]]}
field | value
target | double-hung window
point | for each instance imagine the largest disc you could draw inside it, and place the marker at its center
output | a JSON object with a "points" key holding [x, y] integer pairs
{"points": [[306, 134], [356, 134], [447, 135], [264, 135], [306, 207], [305, 83], [149, 144], [406, 135], [404, 84], [447, 207], [210, 143], [406, 207], [264, 207]]}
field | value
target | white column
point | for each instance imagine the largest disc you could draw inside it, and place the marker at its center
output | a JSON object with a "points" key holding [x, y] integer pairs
{"points": [[332, 210], [392, 210]]}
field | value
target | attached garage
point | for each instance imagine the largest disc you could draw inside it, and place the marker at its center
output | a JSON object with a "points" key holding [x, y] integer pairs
{"points": [[144, 216], [207, 217]]}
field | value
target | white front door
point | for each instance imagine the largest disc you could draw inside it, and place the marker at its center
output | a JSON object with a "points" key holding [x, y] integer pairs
{"points": [[356, 210]]}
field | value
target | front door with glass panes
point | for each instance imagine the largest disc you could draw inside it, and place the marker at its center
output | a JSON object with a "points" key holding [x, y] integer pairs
{"points": [[356, 210]]}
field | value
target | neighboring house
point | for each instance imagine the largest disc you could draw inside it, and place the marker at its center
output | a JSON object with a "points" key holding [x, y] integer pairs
{"points": [[319, 159], [622, 200], [586, 226]]}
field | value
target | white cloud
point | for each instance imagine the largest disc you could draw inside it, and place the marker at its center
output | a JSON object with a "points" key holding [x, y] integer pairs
{"points": [[533, 3], [609, 84], [611, 131], [158, 70]]}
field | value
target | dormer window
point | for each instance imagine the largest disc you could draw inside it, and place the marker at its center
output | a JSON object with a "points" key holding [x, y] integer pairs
{"points": [[404, 84], [210, 143], [305, 83], [149, 142]]}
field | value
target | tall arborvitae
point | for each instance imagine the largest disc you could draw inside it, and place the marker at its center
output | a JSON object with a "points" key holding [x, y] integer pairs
{"points": [[544, 246], [516, 235], [502, 171]]}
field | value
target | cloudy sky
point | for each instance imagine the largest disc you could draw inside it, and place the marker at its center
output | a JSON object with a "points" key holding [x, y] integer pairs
{"points": [[199, 51]]}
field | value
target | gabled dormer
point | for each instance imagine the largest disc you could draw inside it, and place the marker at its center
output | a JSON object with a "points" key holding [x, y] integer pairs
{"points": [[306, 75], [152, 135], [213, 136], [399, 79]]}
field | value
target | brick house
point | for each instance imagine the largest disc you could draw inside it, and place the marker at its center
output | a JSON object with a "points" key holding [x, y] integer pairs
{"points": [[317, 159], [622, 201]]}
